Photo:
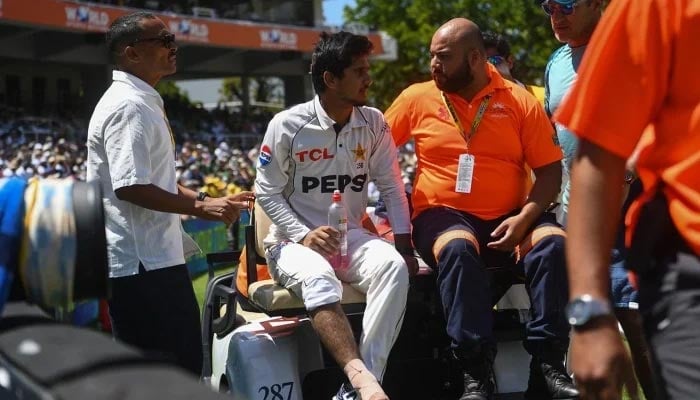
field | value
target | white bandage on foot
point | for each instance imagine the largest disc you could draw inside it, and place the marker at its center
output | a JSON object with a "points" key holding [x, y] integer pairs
{"points": [[363, 381]]}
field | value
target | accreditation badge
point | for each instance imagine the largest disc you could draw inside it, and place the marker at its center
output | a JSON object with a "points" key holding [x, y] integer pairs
{"points": [[465, 173]]}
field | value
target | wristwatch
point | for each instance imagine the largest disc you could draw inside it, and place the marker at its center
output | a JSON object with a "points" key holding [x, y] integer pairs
{"points": [[202, 195], [583, 310]]}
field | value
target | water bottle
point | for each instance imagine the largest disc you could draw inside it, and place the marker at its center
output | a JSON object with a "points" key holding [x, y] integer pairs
{"points": [[338, 219]]}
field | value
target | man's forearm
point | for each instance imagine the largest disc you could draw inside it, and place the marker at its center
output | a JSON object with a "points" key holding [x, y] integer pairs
{"points": [[543, 193], [188, 193], [402, 242], [592, 221], [155, 198]]}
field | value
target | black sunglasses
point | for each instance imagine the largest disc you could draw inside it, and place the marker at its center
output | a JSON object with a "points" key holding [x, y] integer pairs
{"points": [[549, 9], [166, 40]]}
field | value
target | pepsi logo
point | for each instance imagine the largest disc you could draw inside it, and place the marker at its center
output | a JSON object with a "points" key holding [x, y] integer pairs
{"points": [[265, 155]]}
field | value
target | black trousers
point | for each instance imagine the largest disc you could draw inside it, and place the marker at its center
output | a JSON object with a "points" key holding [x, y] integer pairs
{"points": [[670, 305], [669, 298], [157, 312]]}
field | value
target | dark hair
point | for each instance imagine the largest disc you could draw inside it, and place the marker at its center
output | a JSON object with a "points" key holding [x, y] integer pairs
{"points": [[123, 31], [335, 52], [496, 41]]}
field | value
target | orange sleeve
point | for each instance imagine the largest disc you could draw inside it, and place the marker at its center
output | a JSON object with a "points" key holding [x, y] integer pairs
{"points": [[538, 137], [398, 116], [623, 77]]}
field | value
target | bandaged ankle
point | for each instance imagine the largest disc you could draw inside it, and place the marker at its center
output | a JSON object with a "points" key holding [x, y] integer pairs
{"points": [[363, 380]]}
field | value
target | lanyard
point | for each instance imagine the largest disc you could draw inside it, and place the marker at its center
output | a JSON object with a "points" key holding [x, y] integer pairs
{"points": [[477, 119]]}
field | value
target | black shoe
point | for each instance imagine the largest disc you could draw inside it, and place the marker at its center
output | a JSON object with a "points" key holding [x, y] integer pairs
{"points": [[346, 392], [549, 380], [479, 379], [478, 387]]}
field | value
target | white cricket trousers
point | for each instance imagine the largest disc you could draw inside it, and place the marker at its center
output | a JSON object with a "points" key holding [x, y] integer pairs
{"points": [[374, 268]]}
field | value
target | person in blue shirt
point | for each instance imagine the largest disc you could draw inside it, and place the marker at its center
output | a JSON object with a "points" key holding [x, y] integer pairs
{"points": [[573, 23]]}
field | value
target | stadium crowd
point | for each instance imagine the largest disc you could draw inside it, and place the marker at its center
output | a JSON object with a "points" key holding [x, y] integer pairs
{"points": [[212, 155]]}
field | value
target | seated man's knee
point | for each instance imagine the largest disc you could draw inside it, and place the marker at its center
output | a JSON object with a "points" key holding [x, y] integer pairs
{"points": [[395, 268], [555, 247], [321, 288], [545, 241], [456, 248]]}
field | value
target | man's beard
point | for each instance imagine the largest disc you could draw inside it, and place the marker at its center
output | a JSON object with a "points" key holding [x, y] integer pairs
{"points": [[458, 80]]}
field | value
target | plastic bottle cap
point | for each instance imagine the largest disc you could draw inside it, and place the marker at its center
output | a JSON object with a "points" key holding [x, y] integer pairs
{"points": [[336, 196]]}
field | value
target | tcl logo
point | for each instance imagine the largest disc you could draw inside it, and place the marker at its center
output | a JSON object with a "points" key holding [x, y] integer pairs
{"points": [[314, 155]]}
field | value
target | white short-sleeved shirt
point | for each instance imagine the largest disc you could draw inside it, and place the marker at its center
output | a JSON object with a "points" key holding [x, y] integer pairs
{"points": [[129, 143]]}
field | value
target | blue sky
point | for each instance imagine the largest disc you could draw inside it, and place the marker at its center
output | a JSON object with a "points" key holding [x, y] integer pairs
{"points": [[333, 10]]}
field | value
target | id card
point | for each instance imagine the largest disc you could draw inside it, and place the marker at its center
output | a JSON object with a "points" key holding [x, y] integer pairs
{"points": [[465, 173]]}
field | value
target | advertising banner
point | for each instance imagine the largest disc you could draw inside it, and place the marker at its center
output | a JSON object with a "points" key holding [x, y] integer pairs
{"points": [[211, 236], [62, 14]]}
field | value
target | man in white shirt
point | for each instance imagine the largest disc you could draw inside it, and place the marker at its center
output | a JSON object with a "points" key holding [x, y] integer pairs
{"points": [[131, 152], [334, 142]]}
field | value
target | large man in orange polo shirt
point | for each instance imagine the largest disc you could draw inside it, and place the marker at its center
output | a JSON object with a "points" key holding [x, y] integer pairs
{"points": [[640, 50], [475, 135]]}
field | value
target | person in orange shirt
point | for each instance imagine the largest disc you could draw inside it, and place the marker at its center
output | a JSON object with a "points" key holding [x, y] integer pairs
{"points": [[475, 135], [639, 49], [573, 24]]}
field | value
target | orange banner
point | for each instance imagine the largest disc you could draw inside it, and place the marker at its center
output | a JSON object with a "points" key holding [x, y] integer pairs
{"points": [[74, 16]]}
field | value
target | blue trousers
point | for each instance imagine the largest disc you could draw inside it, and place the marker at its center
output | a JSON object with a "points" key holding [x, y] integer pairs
{"points": [[468, 273]]}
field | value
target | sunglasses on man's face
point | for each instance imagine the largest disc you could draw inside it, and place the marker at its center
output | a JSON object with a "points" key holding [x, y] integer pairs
{"points": [[550, 8], [496, 60], [166, 40]]}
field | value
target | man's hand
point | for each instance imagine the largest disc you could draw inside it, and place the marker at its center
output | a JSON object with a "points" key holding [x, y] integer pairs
{"points": [[323, 240], [220, 209], [512, 231], [242, 197], [226, 209], [600, 374], [411, 264]]}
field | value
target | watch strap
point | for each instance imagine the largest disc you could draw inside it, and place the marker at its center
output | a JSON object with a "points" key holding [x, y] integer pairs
{"points": [[595, 310], [202, 195]]}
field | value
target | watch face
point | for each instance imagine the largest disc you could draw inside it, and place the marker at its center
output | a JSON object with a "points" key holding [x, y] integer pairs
{"points": [[577, 312]]}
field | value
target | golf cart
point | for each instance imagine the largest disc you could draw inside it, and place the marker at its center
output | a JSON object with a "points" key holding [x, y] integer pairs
{"points": [[259, 343]]}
